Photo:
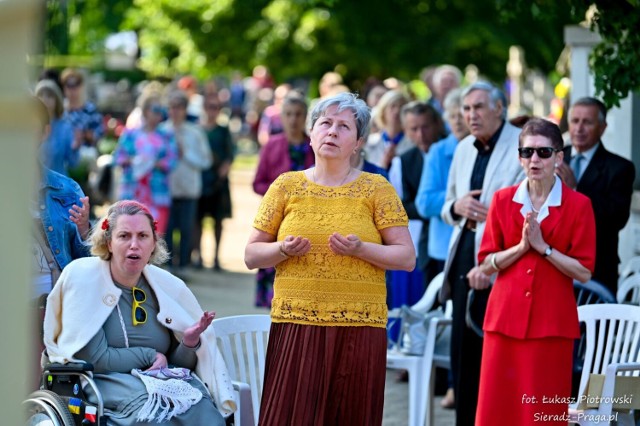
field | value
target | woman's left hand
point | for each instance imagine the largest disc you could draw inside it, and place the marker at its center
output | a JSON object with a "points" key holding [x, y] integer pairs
{"points": [[192, 334], [346, 246], [478, 280], [80, 216]]}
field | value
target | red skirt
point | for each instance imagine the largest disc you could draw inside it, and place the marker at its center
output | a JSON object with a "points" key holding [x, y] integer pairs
{"points": [[317, 376], [524, 382]]}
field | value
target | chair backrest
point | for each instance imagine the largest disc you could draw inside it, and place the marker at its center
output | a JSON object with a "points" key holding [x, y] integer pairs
{"points": [[612, 335], [242, 340], [631, 267], [629, 290], [425, 304], [589, 293], [592, 292]]}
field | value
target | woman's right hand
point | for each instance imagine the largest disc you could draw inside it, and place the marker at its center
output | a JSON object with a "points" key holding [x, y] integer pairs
{"points": [[159, 362], [295, 246], [524, 241]]}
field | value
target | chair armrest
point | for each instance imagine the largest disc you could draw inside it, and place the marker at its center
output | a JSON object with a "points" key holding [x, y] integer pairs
{"points": [[75, 367], [432, 335], [608, 388], [393, 313], [245, 404]]}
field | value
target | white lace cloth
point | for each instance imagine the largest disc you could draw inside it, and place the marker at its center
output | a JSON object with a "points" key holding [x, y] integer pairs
{"points": [[169, 393]]}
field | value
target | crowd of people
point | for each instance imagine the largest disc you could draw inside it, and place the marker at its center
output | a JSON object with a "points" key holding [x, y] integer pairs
{"points": [[365, 200]]}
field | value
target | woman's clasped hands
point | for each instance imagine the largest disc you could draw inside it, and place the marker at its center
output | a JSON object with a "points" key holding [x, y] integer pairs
{"points": [[532, 235]]}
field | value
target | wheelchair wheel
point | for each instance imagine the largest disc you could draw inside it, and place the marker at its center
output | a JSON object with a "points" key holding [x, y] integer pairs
{"points": [[46, 408]]}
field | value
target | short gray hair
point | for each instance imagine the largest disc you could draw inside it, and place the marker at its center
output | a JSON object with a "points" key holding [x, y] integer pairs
{"points": [[344, 101], [295, 98], [592, 102], [179, 97], [495, 95], [453, 99], [446, 69]]}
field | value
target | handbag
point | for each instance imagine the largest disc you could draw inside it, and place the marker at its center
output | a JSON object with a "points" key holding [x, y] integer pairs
{"points": [[412, 337], [476, 308]]}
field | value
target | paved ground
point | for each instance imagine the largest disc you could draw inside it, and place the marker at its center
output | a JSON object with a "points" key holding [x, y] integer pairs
{"points": [[231, 292]]}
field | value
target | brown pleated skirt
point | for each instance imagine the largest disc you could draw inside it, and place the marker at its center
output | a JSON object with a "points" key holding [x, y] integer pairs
{"points": [[324, 376]]}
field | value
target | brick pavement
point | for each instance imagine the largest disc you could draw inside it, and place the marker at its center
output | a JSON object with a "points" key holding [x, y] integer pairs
{"points": [[231, 292]]}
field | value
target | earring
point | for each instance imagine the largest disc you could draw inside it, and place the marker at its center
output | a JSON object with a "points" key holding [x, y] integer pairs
{"points": [[556, 164]]}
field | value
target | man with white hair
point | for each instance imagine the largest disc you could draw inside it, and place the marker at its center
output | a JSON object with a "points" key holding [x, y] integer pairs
{"points": [[445, 79]]}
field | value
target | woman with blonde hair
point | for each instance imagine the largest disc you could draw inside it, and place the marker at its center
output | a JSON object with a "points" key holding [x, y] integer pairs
{"points": [[390, 140], [137, 323]]}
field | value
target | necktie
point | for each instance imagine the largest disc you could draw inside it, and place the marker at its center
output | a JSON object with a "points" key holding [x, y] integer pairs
{"points": [[577, 166]]}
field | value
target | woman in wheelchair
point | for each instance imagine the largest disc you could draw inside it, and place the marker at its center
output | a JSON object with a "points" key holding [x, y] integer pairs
{"points": [[140, 327]]}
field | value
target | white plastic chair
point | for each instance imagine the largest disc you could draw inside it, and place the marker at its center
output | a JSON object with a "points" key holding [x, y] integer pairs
{"points": [[421, 368], [242, 340], [629, 290], [631, 267], [613, 348]]}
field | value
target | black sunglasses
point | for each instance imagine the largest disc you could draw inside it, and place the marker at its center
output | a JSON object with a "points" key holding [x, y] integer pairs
{"points": [[139, 314], [543, 152]]}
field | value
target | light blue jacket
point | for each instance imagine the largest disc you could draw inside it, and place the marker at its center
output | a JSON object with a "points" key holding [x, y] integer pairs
{"points": [[57, 194], [432, 192]]}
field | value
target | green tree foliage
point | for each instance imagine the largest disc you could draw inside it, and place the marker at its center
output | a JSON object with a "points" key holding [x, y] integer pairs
{"points": [[79, 27], [616, 60], [306, 38]]}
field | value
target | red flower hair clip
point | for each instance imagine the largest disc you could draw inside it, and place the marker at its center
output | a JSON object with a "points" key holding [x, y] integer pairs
{"points": [[105, 224]]}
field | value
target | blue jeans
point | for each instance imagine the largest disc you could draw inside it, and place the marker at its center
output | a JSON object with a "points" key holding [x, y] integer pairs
{"points": [[182, 216]]}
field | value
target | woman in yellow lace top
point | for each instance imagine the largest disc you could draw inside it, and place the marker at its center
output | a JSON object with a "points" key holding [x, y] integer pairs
{"points": [[331, 231]]}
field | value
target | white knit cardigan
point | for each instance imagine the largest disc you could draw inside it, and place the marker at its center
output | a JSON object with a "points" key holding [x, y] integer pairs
{"points": [[84, 296]]}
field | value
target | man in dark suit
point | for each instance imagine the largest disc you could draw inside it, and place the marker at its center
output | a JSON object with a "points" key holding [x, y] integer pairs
{"points": [[423, 125], [606, 178]]}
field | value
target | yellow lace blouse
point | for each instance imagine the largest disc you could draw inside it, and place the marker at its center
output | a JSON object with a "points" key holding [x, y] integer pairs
{"points": [[323, 288]]}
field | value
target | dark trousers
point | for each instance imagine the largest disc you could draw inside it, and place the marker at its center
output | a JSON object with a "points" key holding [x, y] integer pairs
{"points": [[466, 345], [433, 268], [182, 217]]}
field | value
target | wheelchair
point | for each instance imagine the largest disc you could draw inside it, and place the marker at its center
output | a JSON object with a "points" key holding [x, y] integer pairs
{"points": [[61, 400]]}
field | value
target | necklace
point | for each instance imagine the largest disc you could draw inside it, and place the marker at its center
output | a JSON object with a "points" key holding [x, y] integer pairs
{"points": [[532, 207], [313, 172]]}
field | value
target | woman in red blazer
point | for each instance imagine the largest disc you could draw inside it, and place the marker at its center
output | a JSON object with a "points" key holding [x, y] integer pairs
{"points": [[539, 237]]}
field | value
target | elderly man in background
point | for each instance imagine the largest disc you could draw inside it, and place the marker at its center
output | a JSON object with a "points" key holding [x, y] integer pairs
{"points": [[484, 162], [606, 178], [445, 79], [422, 125]]}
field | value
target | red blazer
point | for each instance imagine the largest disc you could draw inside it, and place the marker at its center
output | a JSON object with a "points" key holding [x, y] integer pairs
{"points": [[275, 160], [532, 298]]}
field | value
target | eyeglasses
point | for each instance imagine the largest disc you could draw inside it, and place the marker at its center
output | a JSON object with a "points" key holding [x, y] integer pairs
{"points": [[138, 313], [543, 152], [212, 107]]}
